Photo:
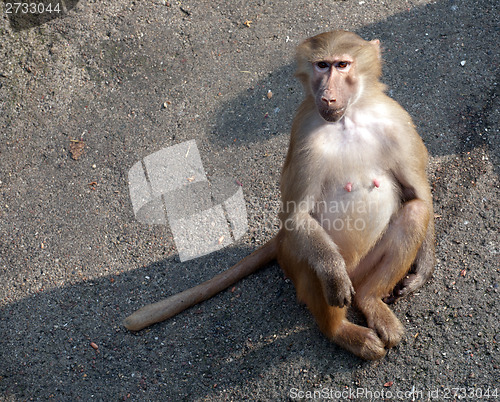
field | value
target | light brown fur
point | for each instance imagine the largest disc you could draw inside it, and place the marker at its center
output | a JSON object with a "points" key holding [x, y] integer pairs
{"points": [[357, 219], [370, 138]]}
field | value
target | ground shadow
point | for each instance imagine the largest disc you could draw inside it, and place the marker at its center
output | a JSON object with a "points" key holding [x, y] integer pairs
{"points": [[79, 329]]}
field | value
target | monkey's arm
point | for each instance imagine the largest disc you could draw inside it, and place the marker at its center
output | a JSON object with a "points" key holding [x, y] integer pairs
{"points": [[422, 268], [411, 175], [309, 241]]}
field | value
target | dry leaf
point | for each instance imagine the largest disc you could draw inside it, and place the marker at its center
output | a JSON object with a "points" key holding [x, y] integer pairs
{"points": [[76, 149]]}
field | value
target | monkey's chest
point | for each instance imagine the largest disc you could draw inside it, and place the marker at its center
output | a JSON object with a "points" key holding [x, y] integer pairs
{"points": [[356, 209]]}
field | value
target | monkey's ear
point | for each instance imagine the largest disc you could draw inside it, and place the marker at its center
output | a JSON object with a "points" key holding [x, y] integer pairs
{"points": [[302, 57], [376, 43]]}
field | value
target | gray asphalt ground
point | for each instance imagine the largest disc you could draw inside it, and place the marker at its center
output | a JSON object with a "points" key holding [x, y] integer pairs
{"points": [[129, 78]]}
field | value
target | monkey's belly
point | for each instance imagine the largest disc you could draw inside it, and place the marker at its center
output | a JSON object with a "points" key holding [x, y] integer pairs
{"points": [[356, 215]]}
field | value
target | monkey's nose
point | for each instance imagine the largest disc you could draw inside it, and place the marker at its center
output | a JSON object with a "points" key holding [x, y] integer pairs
{"points": [[328, 100]]}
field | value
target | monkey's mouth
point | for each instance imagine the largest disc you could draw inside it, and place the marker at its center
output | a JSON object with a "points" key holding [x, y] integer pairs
{"points": [[332, 115]]}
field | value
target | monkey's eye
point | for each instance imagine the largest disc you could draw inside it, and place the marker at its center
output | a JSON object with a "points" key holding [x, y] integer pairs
{"points": [[341, 65], [322, 65]]}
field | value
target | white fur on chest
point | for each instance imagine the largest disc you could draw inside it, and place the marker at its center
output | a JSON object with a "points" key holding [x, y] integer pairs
{"points": [[359, 194], [349, 146]]}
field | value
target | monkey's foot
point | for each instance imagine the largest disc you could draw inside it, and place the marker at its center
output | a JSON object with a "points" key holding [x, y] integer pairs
{"points": [[384, 322], [361, 341]]}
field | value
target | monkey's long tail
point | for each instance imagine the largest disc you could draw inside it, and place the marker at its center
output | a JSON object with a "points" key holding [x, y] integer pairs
{"points": [[173, 305]]}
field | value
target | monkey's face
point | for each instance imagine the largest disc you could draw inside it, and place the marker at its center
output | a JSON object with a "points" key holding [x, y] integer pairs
{"points": [[334, 86]]}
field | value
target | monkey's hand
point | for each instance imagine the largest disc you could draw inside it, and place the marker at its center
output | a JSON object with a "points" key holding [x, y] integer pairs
{"points": [[337, 286], [420, 271], [409, 284]]}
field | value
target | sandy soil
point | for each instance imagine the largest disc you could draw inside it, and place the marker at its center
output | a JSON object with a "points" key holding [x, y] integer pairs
{"points": [[130, 78]]}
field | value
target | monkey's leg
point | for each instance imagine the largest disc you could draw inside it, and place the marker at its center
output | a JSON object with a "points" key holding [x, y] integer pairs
{"points": [[332, 321], [421, 269], [385, 265]]}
